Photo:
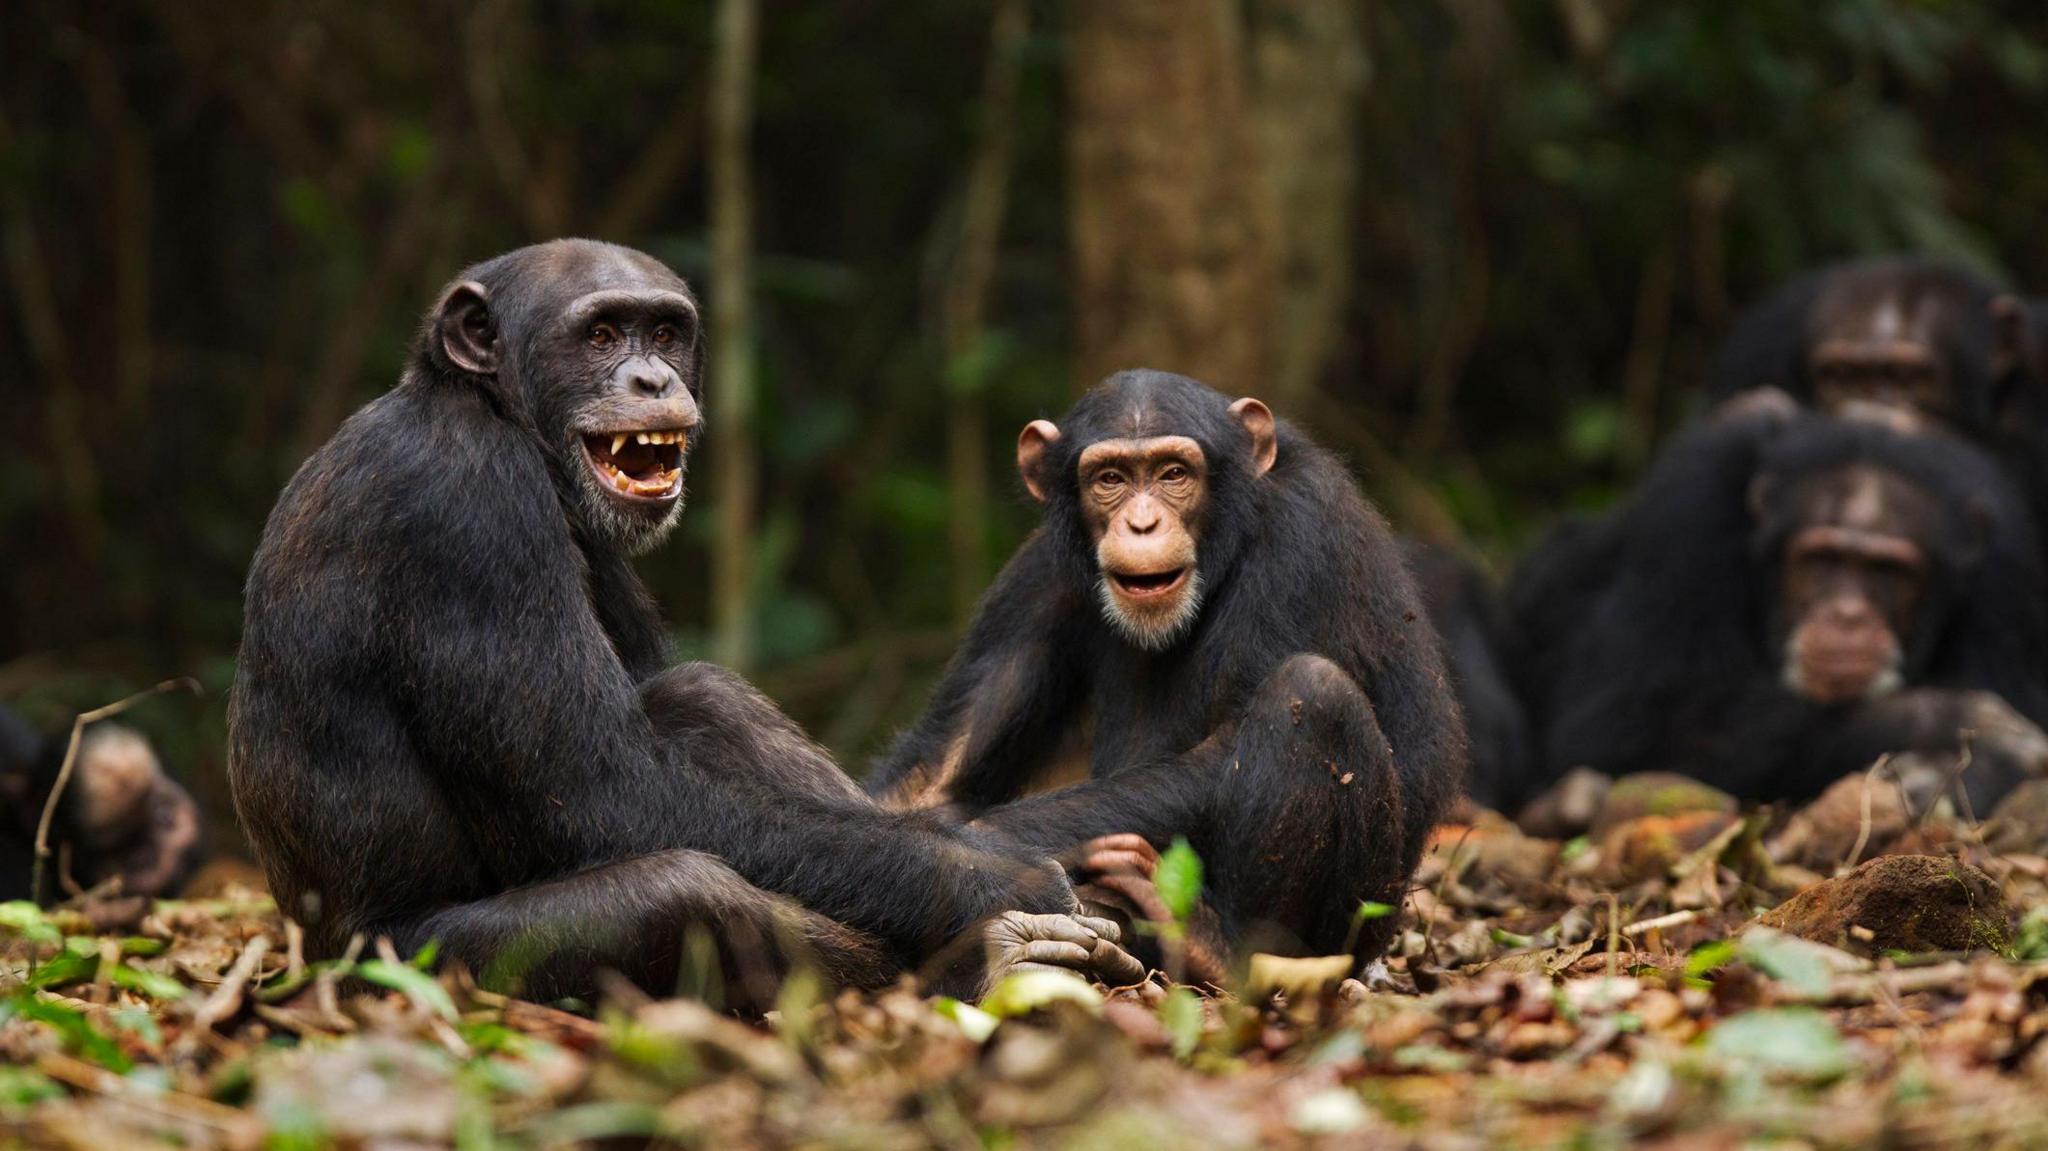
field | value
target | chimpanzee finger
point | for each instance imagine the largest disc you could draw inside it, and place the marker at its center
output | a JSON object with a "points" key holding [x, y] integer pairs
{"points": [[1125, 841], [1115, 966], [1059, 953], [1103, 928], [1060, 928], [1142, 894], [1106, 862]]}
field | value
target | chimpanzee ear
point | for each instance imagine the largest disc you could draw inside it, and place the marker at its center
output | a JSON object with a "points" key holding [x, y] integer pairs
{"points": [[1257, 419], [1759, 495], [1037, 438], [2009, 319], [465, 335]]}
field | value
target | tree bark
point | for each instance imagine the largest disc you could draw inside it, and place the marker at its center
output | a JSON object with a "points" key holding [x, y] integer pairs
{"points": [[1169, 261], [1308, 70], [966, 307], [736, 38]]}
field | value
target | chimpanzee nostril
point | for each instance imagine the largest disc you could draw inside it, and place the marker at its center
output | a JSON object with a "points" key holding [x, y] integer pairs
{"points": [[650, 383]]}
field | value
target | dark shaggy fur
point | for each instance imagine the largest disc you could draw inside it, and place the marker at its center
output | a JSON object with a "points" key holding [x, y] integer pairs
{"points": [[1641, 637], [1302, 734], [451, 718]]}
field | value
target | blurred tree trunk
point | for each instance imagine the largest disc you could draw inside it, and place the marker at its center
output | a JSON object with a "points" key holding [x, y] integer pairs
{"points": [[735, 42], [1170, 267], [1308, 67], [966, 307]]}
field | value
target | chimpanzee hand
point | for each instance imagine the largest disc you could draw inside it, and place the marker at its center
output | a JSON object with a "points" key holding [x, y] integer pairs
{"points": [[1774, 402], [1018, 942], [2004, 744]]}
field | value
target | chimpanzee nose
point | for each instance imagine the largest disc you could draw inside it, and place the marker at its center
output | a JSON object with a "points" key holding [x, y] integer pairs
{"points": [[1142, 517], [1850, 612], [651, 381]]}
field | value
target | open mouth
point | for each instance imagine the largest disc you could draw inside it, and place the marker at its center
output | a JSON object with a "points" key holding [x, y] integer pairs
{"points": [[639, 465], [1145, 586]]}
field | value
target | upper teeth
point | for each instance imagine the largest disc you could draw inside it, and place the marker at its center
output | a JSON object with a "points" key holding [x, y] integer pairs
{"points": [[619, 439]]}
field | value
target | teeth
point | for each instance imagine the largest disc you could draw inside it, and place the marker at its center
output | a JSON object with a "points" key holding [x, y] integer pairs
{"points": [[642, 437], [618, 442]]}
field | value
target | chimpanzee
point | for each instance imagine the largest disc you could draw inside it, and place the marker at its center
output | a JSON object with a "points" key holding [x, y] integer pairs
{"points": [[1214, 603], [121, 818], [1904, 332], [1465, 606], [451, 718], [1786, 598]]}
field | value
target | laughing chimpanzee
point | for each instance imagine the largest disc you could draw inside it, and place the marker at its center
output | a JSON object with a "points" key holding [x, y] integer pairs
{"points": [[121, 818], [451, 718], [1785, 599], [1214, 604]]}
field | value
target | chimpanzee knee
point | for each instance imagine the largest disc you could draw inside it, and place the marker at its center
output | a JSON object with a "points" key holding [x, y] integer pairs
{"points": [[1308, 816]]}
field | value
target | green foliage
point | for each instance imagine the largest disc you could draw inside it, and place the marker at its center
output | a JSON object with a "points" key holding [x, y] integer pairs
{"points": [[1181, 1014], [1796, 1042], [1179, 878]]}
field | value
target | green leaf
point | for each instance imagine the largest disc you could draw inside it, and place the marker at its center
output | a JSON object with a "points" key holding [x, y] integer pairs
{"points": [[1706, 957], [63, 969], [425, 958], [27, 920], [415, 984], [22, 1086], [1793, 1041], [151, 983], [1027, 991], [1179, 878], [1372, 910], [1800, 964], [1181, 1014], [973, 1022], [78, 1033]]}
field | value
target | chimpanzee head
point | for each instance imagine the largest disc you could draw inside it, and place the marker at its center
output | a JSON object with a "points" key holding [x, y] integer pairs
{"points": [[1149, 479], [1914, 334], [1867, 540], [595, 350]]}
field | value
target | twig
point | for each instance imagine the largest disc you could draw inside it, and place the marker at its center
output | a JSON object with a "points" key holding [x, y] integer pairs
{"points": [[1870, 986], [1863, 832], [227, 998], [1658, 923], [78, 725]]}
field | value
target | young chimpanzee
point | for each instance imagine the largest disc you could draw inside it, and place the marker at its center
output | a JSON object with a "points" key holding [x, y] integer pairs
{"points": [[1785, 599], [451, 718], [1214, 603], [120, 818]]}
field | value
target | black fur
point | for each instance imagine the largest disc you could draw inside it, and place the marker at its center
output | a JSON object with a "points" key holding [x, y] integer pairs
{"points": [[451, 721], [1769, 345], [1303, 733], [1464, 604], [1642, 637]]}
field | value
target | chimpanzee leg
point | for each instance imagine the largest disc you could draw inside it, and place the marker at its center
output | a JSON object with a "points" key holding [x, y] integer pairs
{"points": [[1297, 815], [1307, 820], [643, 917]]}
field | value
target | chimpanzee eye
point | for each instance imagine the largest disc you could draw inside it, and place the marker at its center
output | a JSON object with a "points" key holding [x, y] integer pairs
{"points": [[1109, 479], [664, 335], [603, 336], [1174, 473]]}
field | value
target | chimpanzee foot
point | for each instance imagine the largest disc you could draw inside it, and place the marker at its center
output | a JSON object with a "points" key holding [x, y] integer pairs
{"points": [[1017, 941]]}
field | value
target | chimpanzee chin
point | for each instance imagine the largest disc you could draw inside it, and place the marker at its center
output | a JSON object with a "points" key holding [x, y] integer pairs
{"points": [[1154, 470]]}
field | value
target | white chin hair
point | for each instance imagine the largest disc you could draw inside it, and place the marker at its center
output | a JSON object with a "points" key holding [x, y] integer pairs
{"points": [[1152, 634]]}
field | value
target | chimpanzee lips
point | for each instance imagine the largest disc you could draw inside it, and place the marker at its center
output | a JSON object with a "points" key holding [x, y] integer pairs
{"points": [[1146, 585], [638, 465]]}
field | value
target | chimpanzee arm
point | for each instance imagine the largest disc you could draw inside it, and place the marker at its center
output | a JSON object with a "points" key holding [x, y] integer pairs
{"points": [[1013, 688], [555, 759], [637, 917]]}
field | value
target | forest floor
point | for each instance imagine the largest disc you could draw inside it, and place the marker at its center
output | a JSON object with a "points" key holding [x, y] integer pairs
{"points": [[1613, 987]]}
